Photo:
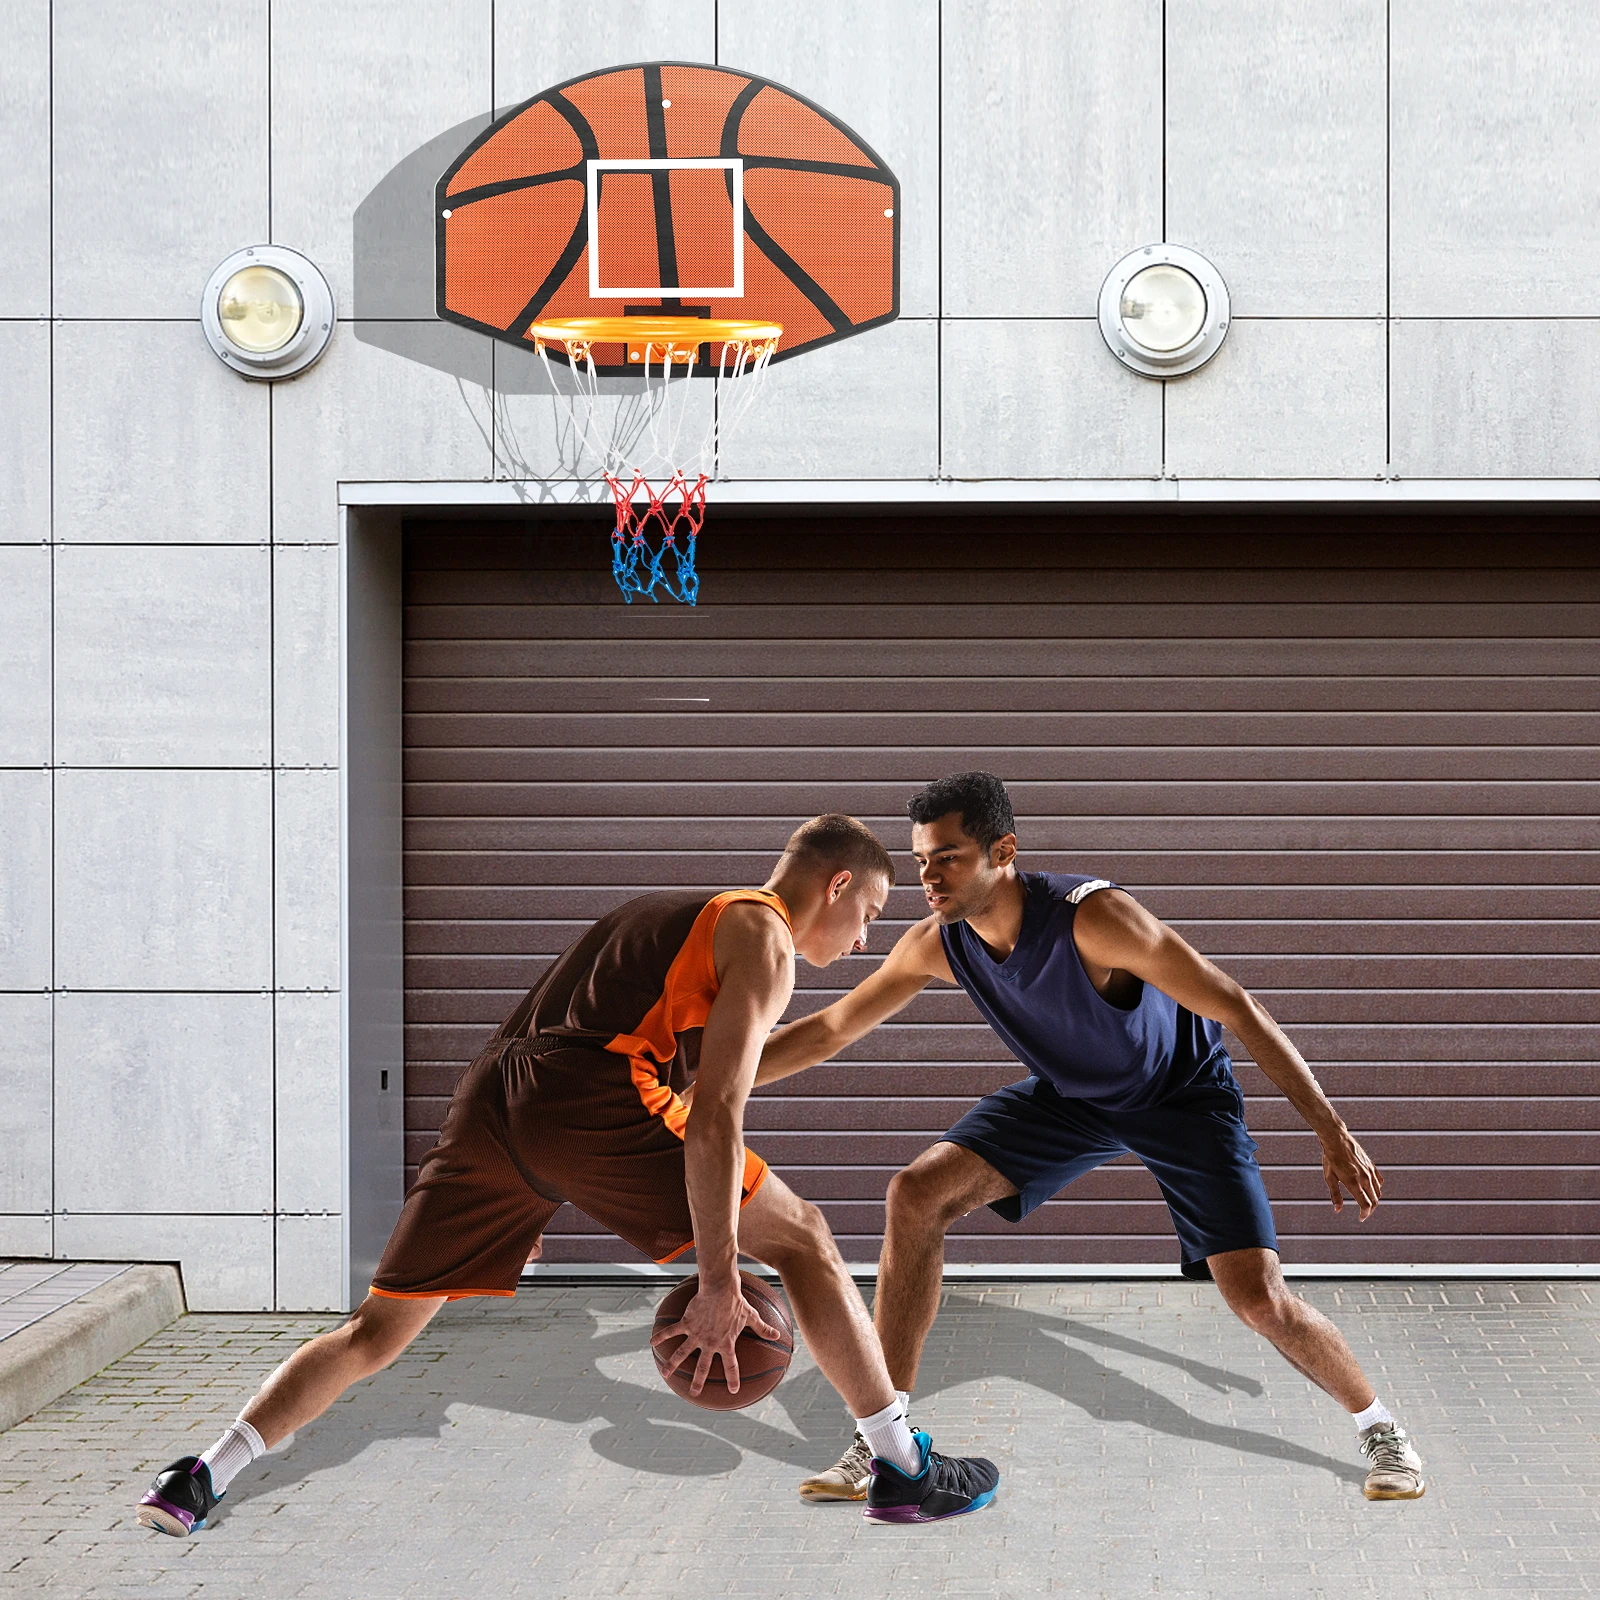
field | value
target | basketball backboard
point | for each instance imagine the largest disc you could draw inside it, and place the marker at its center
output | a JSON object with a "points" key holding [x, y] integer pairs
{"points": [[669, 187]]}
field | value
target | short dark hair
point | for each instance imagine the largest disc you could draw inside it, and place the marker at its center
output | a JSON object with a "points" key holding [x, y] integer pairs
{"points": [[841, 844], [981, 799]]}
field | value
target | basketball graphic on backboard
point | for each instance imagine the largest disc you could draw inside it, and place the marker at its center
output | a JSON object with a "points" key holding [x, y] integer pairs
{"points": [[669, 187]]}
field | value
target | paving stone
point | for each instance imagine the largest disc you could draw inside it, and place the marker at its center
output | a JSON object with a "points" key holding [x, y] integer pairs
{"points": [[1151, 1445]]}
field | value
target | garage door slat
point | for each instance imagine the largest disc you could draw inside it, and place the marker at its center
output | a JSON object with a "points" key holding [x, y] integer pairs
{"points": [[1136, 871], [644, 799], [1074, 836], [996, 658], [520, 694]]}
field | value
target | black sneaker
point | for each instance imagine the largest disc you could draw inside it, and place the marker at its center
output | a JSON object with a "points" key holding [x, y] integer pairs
{"points": [[947, 1486], [180, 1499]]}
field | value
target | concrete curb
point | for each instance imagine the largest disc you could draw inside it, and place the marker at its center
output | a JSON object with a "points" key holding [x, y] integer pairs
{"points": [[42, 1362]]}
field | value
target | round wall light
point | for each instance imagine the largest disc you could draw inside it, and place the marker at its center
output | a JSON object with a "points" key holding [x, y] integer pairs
{"points": [[267, 312], [1164, 310]]}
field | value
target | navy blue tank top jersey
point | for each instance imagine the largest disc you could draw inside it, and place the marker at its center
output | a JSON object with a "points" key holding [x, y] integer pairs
{"points": [[1041, 1002]]}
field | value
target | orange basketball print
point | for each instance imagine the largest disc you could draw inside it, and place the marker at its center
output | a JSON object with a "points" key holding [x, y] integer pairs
{"points": [[669, 187]]}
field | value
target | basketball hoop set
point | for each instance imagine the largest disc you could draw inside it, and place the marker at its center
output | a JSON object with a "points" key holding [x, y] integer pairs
{"points": [[738, 223]]}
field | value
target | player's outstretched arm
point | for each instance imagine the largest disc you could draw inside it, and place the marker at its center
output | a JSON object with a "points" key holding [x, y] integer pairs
{"points": [[916, 958], [1113, 930], [755, 972]]}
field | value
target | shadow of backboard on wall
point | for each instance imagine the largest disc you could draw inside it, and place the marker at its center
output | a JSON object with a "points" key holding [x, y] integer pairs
{"points": [[394, 301]]}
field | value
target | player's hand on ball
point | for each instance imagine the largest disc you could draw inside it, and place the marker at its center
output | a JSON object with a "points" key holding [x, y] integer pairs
{"points": [[710, 1327], [1347, 1168]]}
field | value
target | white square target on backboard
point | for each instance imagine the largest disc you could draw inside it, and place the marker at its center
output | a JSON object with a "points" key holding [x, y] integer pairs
{"points": [[627, 247]]}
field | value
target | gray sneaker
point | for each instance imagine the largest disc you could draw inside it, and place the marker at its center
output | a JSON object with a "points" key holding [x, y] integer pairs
{"points": [[846, 1479], [1396, 1470]]}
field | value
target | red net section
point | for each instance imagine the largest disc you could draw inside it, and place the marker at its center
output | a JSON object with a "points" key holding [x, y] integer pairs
{"points": [[652, 545]]}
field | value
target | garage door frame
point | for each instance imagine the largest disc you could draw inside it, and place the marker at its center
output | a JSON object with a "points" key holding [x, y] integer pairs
{"points": [[371, 519]]}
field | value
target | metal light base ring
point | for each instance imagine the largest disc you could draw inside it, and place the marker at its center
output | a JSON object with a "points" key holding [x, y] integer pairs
{"points": [[310, 338], [1187, 357]]}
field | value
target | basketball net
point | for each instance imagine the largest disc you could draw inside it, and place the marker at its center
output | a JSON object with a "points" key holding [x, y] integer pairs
{"points": [[657, 434]]}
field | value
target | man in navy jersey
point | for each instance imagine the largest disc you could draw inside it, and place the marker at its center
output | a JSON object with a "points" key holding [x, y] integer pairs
{"points": [[1120, 1024]]}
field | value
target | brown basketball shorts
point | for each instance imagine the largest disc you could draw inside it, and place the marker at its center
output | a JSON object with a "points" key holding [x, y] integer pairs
{"points": [[529, 1126]]}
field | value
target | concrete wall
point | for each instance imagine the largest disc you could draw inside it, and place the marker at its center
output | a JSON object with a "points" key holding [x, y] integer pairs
{"points": [[1402, 197]]}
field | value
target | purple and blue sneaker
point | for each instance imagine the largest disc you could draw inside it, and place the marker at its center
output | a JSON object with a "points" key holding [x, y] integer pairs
{"points": [[180, 1499], [947, 1486]]}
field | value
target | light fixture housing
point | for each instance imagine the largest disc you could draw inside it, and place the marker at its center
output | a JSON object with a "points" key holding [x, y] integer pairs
{"points": [[1164, 310], [267, 312]]}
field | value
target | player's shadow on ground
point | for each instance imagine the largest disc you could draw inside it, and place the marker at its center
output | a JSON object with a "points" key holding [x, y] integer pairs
{"points": [[460, 1361], [1045, 1351]]}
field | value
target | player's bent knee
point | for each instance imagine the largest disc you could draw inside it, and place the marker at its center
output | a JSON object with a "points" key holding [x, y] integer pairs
{"points": [[1265, 1309], [812, 1235], [804, 1239], [920, 1200], [375, 1341], [371, 1349]]}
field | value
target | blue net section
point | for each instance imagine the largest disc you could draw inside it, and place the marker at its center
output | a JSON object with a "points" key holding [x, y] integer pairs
{"points": [[652, 545]]}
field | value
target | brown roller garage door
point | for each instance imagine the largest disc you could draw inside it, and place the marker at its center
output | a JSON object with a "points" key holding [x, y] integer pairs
{"points": [[1351, 757]]}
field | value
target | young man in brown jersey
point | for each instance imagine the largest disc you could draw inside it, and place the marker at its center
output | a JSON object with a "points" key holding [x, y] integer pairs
{"points": [[576, 1098]]}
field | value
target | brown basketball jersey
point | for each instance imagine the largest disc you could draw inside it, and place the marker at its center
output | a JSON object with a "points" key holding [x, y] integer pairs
{"points": [[639, 983], [594, 1120]]}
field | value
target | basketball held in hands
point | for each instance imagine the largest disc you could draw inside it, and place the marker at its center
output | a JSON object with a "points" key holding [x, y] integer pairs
{"points": [[762, 1361]]}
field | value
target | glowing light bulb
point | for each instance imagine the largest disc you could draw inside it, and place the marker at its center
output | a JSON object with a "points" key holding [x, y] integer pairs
{"points": [[260, 309], [1163, 308]]}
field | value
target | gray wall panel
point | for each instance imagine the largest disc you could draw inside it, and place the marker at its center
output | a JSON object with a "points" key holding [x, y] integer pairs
{"points": [[863, 408], [1496, 191], [387, 79], [1286, 398], [25, 627], [26, 890], [538, 43], [160, 150], [154, 440], [163, 656], [27, 1114], [1538, 417], [1051, 144], [1026, 399], [163, 879], [365, 412], [25, 432], [190, 1075], [1275, 151], [25, 158]]}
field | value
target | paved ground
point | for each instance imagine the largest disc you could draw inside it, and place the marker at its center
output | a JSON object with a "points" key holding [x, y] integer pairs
{"points": [[1151, 1446], [31, 1290]]}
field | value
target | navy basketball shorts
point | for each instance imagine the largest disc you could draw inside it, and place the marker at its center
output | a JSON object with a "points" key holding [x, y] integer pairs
{"points": [[1194, 1142]]}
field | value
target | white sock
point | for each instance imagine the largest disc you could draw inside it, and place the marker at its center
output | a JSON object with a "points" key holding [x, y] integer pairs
{"points": [[904, 1397], [1376, 1412], [890, 1439], [237, 1448]]}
